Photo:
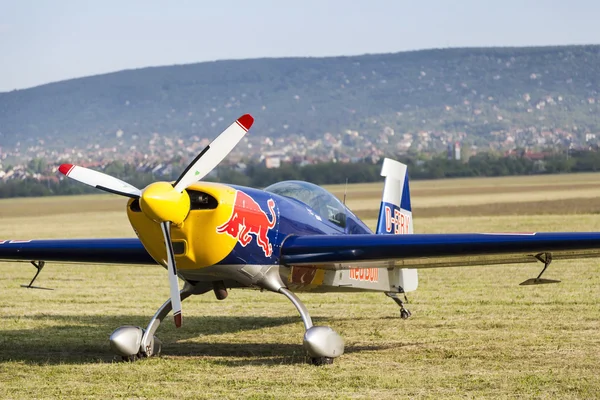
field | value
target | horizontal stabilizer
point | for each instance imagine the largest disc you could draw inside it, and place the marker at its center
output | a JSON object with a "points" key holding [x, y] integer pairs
{"points": [[537, 281]]}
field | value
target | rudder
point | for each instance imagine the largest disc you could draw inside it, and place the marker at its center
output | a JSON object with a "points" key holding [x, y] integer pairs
{"points": [[395, 213]]}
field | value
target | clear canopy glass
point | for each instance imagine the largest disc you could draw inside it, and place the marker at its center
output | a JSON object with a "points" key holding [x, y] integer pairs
{"points": [[323, 203]]}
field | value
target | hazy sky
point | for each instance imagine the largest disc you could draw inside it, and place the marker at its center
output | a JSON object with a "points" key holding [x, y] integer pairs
{"points": [[50, 40]]}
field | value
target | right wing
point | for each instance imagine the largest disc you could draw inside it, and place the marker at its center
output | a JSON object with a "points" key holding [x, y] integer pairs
{"points": [[339, 252]]}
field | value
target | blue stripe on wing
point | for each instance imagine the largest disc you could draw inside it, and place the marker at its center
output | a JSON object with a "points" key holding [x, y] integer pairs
{"points": [[435, 250], [98, 251]]}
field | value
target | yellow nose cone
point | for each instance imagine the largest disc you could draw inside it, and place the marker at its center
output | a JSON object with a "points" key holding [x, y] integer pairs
{"points": [[161, 203]]}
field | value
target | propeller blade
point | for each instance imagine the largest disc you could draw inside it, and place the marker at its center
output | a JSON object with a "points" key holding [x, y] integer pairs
{"points": [[172, 270], [99, 180], [214, 153]]}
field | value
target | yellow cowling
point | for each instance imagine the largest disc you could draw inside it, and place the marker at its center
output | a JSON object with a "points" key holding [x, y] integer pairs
{"points": [[161, 203], [203, 244]]}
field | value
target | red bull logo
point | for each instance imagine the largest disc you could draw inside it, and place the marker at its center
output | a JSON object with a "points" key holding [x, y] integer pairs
{"points": [[247, 218]]}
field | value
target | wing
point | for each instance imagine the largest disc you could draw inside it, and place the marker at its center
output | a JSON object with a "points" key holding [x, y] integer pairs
{"points": [[434, 250], [96, 251]]}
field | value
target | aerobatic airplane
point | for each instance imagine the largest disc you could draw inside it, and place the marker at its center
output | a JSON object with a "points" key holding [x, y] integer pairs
{"points": [[289, 237]]}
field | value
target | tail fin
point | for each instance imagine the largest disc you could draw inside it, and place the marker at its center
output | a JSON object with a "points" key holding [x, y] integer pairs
{"points": [[395, 215]]}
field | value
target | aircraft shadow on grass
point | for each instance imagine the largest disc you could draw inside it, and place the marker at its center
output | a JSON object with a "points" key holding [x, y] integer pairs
{"points": [[84, 339]]}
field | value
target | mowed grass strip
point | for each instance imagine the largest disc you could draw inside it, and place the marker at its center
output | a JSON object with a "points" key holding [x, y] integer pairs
{"points": [[61, 205], [481, 198], [550, 207], [474, 332], [430, 191], [461, 183]]}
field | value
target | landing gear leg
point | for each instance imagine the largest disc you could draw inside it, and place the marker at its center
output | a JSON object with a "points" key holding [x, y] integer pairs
{"points": [[404, 313], [149, 346], [546, 259], [322, 343], [39, 265], [132, 342]]}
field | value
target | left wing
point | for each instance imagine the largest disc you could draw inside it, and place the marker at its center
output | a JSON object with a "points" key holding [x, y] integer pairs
{"points": [[95, 251], [434, 250]]}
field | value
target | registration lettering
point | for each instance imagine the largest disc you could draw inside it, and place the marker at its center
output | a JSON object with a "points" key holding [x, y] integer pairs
{"points": [[364, 274], [398, 222]]}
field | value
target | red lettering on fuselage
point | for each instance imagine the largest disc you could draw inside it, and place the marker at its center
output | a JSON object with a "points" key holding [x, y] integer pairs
{"points": [[364, 274]]}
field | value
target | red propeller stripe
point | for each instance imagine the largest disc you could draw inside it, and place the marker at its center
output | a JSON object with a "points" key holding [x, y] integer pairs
{"points": [[65, 169]]}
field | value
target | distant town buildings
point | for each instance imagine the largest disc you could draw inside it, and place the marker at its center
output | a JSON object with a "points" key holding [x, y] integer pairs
{"points": [[156, 153]]}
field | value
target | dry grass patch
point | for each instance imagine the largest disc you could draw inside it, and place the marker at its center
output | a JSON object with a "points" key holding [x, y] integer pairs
{"points": [[474, 332]]}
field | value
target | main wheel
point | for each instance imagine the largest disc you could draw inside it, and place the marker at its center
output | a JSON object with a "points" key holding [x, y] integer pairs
{"points": [[321, 361]]}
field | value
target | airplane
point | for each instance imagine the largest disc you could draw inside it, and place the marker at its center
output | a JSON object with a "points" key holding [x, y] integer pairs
{"points": [[289, 237]]}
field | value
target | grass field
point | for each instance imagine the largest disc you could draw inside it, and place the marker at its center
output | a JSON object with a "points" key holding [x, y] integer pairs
{"points": [[474, 332]]}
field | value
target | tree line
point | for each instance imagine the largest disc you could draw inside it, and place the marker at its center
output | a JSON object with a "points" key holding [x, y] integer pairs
{"points": [[257, 175]]}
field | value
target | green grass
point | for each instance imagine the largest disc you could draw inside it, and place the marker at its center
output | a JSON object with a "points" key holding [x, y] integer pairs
{"points": [[474, 332]]}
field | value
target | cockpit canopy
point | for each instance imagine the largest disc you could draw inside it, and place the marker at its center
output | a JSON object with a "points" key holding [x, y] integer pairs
{"points": [[323, 203]]}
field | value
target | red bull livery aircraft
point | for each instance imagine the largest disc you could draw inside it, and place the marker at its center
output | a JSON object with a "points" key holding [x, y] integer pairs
{"points": [[292, 236]]}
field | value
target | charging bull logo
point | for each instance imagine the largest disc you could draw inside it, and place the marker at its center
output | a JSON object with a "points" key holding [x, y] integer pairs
{"points": [[248, 218]]}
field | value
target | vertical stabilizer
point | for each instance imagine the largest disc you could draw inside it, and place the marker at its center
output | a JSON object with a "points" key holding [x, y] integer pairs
{"points": [[395, 213]]}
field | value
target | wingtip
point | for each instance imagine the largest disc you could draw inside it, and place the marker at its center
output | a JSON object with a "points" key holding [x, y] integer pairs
{"points": [[65, 169], [246, 121], [177, 318]]}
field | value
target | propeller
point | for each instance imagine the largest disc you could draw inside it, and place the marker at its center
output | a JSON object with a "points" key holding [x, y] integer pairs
{"points": [[214, 153], [99, 180], [172, 269], [164, 203]]}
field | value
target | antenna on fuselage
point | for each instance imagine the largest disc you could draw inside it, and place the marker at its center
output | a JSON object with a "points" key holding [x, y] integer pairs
{"points": [[345, 191]]}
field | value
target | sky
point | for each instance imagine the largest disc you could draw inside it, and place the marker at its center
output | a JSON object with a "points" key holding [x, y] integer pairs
{"points": [[44, 41]]}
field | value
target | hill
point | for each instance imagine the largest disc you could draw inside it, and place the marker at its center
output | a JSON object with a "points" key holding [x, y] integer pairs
{"points": [[475, 91]]}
